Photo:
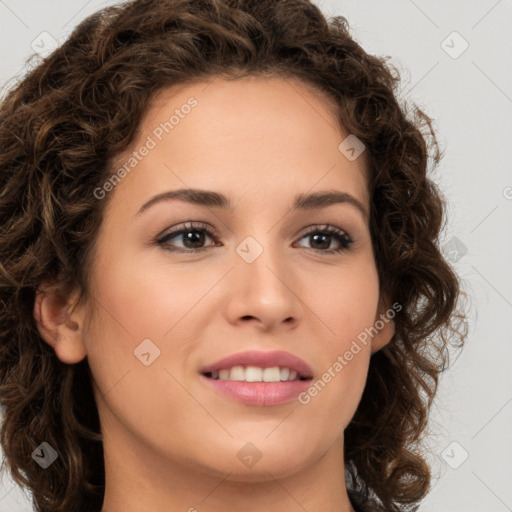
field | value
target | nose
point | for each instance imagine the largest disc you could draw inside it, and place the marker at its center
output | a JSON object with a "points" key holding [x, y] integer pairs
{"points": [[263, 292]]}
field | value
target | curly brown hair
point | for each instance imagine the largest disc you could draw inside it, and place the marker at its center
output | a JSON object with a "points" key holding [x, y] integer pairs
{"points": [[62, 126]]}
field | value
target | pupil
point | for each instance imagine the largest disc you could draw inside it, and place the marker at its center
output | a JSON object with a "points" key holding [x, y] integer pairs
{"points": [[193, 237], [324, 245]]}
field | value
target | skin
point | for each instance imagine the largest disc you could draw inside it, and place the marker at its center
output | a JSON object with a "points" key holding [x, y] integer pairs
{"points": [[171, 442]]}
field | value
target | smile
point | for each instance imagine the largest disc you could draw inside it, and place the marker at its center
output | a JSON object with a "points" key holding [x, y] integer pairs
{"points": [[256, 374]]}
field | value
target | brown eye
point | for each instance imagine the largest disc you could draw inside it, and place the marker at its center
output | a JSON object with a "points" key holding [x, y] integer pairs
{"points": [[192, 237], [321, 239]]}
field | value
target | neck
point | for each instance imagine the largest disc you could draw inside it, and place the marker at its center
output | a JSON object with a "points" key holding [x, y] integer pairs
{"points": [[137, 478]]}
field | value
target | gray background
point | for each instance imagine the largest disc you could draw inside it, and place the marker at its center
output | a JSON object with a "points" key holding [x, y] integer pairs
{"points": [[469, 94]]}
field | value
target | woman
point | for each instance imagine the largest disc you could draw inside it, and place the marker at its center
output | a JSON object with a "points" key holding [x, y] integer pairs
{"points": [[221, 282]]}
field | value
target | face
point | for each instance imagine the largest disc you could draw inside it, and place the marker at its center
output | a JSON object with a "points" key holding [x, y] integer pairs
{"points": [[179, 283]]}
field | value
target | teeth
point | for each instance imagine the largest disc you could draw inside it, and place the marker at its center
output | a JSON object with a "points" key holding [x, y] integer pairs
{"points": [[224, 374], [237, 373], [271, 374], [256, 374], [253, 374]]}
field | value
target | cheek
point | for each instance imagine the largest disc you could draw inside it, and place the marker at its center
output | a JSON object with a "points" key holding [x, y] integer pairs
{"points": [[143, 300], [127, 308], [347, 302], [136, 301], [132, 304], [347, 305]]}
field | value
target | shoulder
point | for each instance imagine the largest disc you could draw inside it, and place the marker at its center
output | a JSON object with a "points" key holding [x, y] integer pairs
{"points": [[362, 504]]}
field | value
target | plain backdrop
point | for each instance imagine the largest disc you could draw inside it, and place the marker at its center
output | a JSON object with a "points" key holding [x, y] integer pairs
{"points": [[455, 61]]}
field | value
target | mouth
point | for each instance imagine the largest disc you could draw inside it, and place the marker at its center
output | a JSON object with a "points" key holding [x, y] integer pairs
{"points": [[256, 374], [259, 366], [258, 378]]}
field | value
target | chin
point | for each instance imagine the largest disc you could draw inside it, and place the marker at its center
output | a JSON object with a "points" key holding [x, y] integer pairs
{"points": [[248, 464]]}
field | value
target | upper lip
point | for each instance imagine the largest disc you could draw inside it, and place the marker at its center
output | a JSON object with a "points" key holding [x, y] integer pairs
{"points": [[263, 360]]}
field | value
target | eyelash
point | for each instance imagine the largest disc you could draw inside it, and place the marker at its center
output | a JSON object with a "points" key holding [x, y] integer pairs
{"points": [[342, 237]]}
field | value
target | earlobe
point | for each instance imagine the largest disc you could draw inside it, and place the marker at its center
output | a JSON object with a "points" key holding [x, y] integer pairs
{"points": [[58, 323], [385, 326]]}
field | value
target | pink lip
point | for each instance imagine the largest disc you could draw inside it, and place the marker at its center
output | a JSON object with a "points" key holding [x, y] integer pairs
{"points": [[258, 393], [263, 360]]}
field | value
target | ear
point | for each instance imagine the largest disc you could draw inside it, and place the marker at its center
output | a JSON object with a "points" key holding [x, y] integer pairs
{"points": [[384, 325], [57, 322]]}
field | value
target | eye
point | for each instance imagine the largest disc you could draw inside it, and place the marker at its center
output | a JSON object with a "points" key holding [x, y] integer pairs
{"points": [[192, 235], [324, 236]]}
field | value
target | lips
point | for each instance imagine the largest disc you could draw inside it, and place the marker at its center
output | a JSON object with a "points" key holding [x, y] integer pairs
{"points": [[263, 360]]}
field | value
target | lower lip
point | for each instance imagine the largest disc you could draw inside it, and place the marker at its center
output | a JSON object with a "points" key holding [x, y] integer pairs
{"points": [[259, 393]]}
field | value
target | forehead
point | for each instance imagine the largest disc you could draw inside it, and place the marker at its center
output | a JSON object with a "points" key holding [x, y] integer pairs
{"points": [[252, 133]]}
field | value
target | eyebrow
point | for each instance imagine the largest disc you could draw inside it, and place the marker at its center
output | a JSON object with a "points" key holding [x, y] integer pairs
{"points": [[216, 200]]}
